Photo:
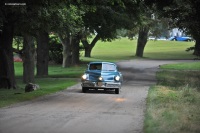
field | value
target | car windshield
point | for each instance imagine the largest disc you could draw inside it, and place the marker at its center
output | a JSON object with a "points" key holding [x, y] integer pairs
{"points": [[108, 67], [102, 66], [95, 66]]}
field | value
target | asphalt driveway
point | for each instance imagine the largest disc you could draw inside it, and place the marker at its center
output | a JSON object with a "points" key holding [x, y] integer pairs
{"points": [[71, 111]]}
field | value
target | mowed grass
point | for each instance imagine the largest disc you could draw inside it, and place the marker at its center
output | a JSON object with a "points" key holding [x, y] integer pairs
{"points": [[173, 105], [59, 79], [183, 66], [56, 71], [47, 86], [125, 49], [168, 50]]}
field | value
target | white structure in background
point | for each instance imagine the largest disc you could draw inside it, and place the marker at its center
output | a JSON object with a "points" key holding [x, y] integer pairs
{"points": [[176, 32]]}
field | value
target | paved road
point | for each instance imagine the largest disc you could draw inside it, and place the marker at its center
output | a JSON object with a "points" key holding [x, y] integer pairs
{"points": [[71, 111]]}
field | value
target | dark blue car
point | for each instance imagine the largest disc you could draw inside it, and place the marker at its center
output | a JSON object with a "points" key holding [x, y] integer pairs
{"points": [[102, 75]]}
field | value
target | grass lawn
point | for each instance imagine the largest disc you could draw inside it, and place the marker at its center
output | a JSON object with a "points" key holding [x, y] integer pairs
{"points": [[59, 79], [47, 86], [124, 49], [183, 66], [173, 105]]}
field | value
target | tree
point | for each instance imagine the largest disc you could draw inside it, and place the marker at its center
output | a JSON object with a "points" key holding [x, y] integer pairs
{"points": [[142, 40], [8, 17], [69, 33], [105, 19], [42, 53], [31, 27], [184, 14], [144, 23], [89, 46], [7, 79], [28, 59], [26, 19]]}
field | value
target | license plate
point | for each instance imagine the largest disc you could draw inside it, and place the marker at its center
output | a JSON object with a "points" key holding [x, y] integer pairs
{"points": [[99, 83]]}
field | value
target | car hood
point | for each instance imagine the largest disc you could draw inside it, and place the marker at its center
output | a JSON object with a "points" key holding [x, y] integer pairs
{"points": [[106, 75]]}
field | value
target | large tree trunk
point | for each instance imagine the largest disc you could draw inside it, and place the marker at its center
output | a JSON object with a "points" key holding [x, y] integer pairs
{"points": [[28, 59], [42, 53], [142, 40], [197, 47], [75, 49], [88, 47], [7, 74], [67, 52], [88, 51]]}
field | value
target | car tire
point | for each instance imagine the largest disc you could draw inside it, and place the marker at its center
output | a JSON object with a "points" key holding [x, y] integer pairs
{"points": [[84, 89], [117, 91]]}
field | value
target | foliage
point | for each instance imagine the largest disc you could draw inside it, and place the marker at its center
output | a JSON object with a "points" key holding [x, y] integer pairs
{"points": [[159, 27], [183, 14], [17, 42], [55, 50], [107, 18], [70, 18]]}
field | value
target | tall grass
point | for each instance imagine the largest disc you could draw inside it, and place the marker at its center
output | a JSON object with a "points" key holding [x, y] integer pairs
{"points": [[179, 78], [173, 110], [173, 105]]}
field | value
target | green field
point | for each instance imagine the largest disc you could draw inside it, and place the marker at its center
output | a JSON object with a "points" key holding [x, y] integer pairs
{"points": [[124, 49], [182, 66]]}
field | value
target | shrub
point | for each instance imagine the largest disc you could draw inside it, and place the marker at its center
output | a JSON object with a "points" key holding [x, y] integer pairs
{"points": [[55, 50]]}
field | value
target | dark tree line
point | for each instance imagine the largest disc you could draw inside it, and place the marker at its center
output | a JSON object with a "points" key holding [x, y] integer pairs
{"points": [[75, 21]]}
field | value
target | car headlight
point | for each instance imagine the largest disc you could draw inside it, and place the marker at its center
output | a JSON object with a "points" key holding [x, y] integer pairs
{"points": [[84, 77], [117, 78], [101, 78]]}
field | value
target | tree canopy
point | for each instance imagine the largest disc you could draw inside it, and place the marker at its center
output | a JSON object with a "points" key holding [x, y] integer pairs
{"points": [[184, 14], [75, 20]]}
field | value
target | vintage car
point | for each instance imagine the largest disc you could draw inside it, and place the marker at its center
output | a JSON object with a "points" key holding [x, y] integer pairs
{"points": [[102, 75]]}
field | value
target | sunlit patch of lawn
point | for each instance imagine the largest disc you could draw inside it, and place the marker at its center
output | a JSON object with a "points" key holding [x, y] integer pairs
{"points": [[125, 49]]}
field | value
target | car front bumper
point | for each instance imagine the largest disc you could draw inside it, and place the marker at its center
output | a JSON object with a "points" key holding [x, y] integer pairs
{"points": [[101, 85]]}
